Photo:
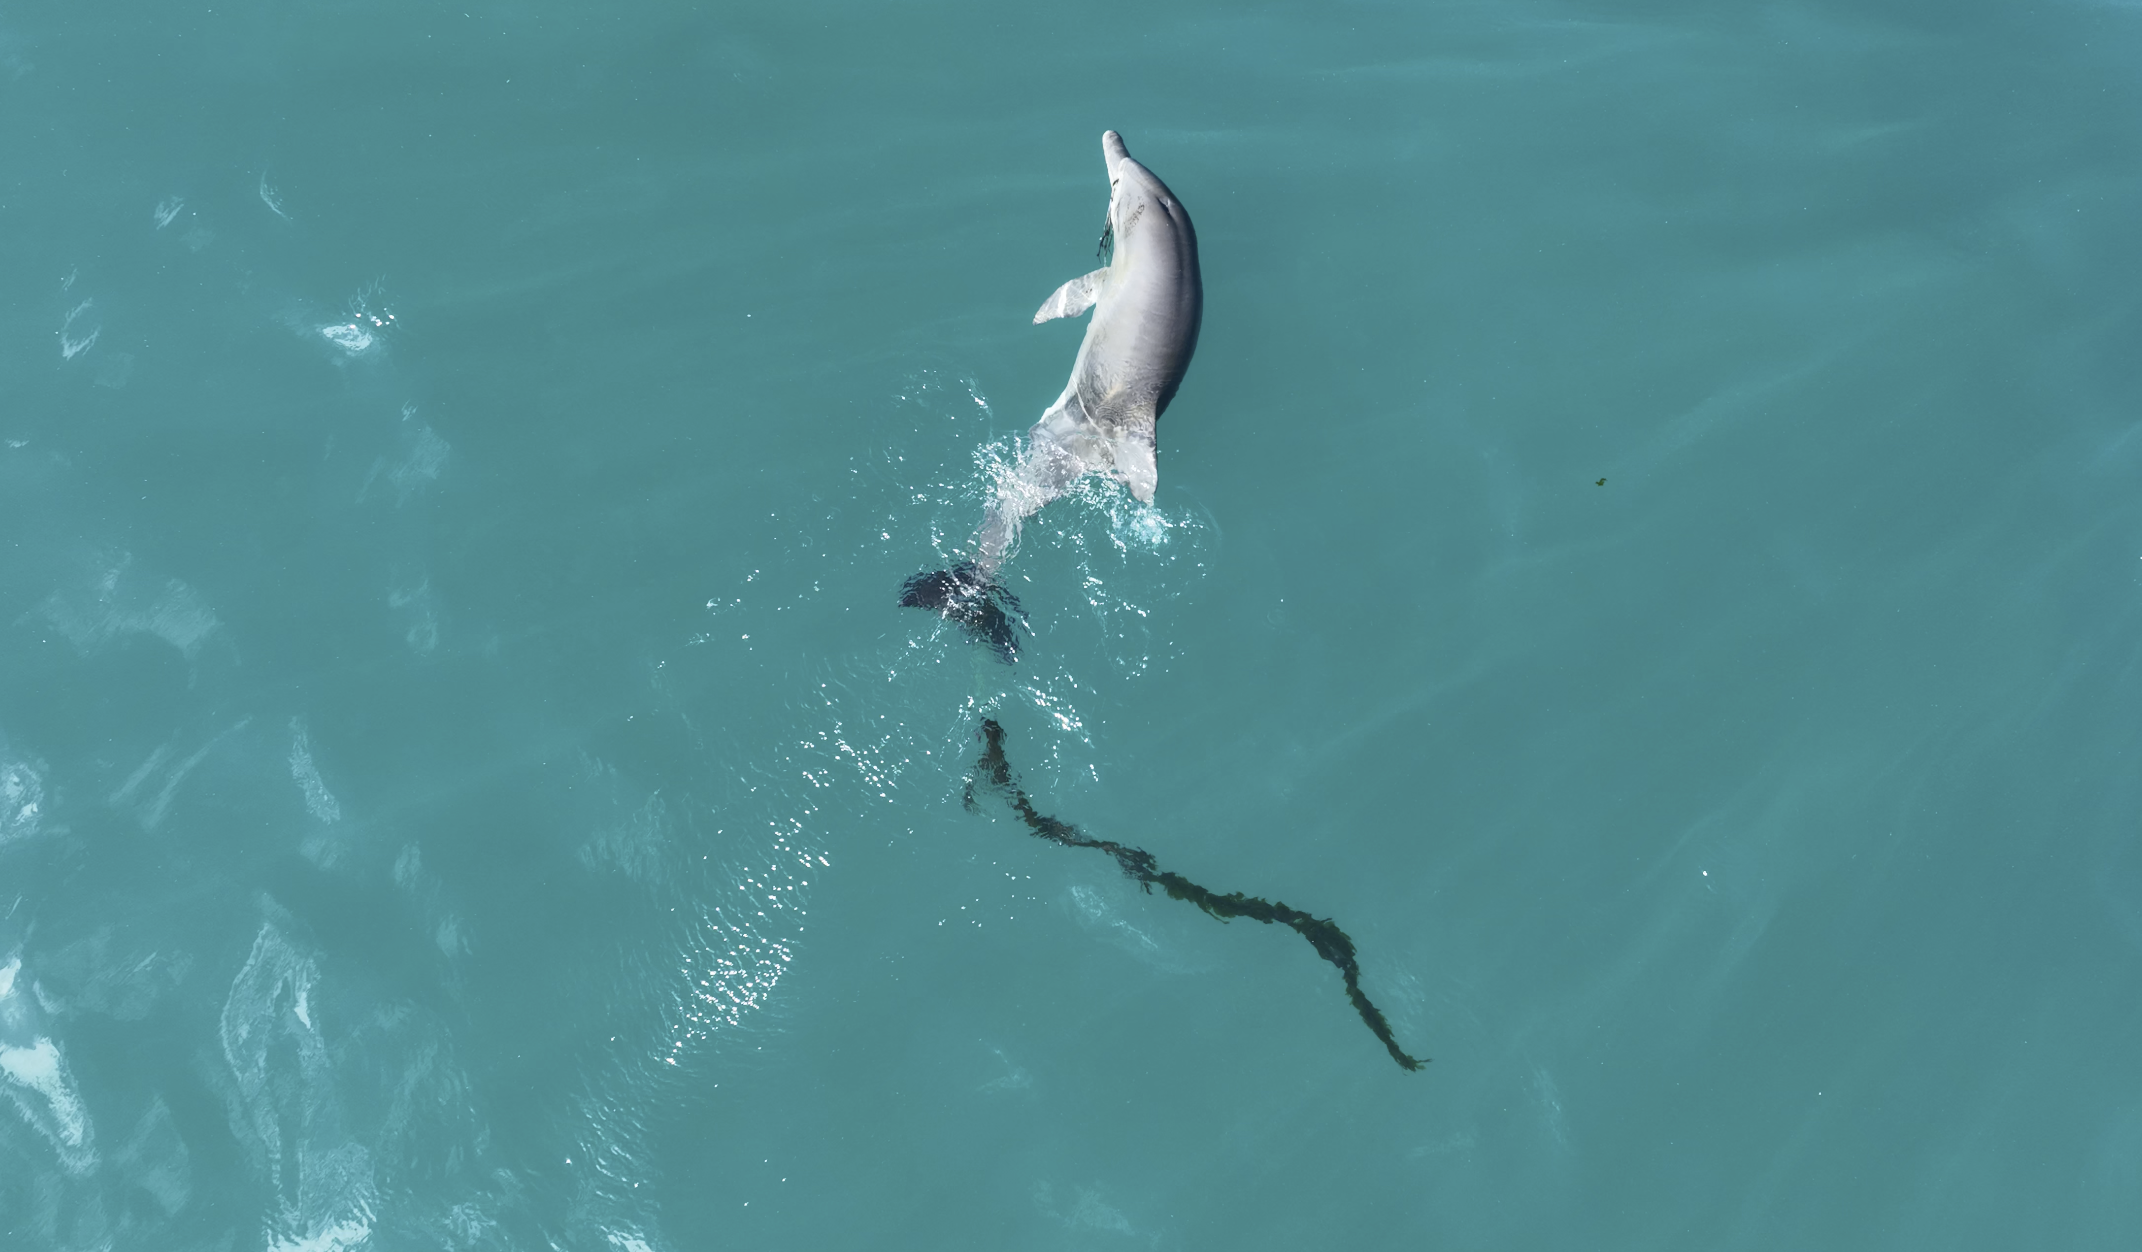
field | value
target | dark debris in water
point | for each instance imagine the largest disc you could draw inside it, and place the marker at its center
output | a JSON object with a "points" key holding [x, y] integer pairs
{"points": [[990, 612], [1323, 934]]}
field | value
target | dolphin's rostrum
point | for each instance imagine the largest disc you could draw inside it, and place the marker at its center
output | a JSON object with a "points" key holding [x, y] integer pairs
{"points": [[1147, 303]]}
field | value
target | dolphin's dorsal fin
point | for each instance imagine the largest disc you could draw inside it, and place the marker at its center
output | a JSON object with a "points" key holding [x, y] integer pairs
{"points": [[1073, 298]]}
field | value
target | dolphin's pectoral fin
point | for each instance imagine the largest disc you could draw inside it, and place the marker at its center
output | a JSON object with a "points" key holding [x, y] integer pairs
{"points": [[1137, 465], [1073, 298], [961, 595]]}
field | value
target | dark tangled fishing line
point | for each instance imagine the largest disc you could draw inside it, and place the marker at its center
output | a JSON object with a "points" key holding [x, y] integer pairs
{"points": [[1323, 934]]}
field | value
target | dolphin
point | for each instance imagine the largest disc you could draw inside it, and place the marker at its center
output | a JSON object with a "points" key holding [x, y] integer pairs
{"points": [[1147, 304]]}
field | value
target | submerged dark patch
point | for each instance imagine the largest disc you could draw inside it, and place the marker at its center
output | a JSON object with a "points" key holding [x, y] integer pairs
{"points": [[990, 613], [1323, 934]]}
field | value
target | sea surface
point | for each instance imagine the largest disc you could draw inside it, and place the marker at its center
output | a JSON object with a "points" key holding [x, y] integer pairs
{"points": [[1650, 546]]}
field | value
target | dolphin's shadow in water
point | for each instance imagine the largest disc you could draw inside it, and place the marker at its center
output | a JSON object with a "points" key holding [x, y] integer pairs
{"points": [[1323, 934], [959, 594]]}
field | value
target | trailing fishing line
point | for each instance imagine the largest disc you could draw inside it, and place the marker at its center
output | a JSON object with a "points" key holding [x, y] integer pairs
{"points": [[1323, 934]]}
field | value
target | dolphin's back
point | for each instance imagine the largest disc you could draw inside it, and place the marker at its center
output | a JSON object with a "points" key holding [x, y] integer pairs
{"points": [[1146, 324], [1185, 313]]}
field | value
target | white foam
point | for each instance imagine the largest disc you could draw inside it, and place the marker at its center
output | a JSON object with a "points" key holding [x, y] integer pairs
{"points": [[427, 456], [408, 867], [1013, 1079], [270, 197], [259, 1013], [273, 971], [44, 1091], [36, 1067], [22, 799], [180, 618], [319, 801], [152, 813], [70, 346], [286, 1108], [339, 1236], [1147, 526], [1095, 1214], [120, 604], [348, 336], [423, 633], [1091, 1212], [359, 333]]}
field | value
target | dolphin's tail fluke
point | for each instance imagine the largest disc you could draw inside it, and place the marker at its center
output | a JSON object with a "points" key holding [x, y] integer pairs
{"points": [[961, 595]]}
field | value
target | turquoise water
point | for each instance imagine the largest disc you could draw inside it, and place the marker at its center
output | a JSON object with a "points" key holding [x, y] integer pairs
{"points": [[467, 783]]}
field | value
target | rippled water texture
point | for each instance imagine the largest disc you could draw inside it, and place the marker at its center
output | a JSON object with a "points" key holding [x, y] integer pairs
{"points": [[1649, 545]]}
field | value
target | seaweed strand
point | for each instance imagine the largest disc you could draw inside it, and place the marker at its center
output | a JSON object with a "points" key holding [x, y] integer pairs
{"points": [[1323, 934]]}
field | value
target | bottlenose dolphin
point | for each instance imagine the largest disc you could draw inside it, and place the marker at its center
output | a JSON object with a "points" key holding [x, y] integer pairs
{"points": [[1147, 303]]}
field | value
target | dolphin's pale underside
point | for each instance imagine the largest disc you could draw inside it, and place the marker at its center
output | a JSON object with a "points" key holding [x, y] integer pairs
{"points": [[1147, 304]]}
